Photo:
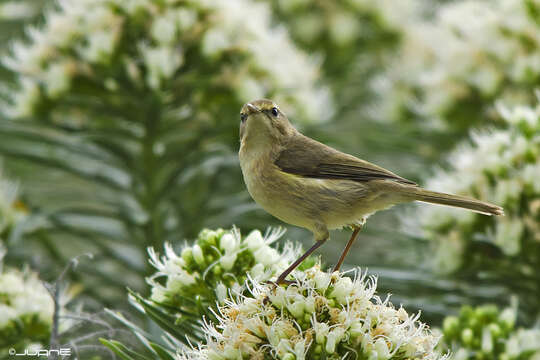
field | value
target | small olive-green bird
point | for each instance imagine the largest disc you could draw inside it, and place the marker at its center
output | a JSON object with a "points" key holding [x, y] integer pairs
{"points": [[308, 184]]}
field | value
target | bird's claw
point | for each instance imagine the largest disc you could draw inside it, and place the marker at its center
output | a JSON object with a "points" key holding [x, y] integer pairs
{"points": [[276, 284]]}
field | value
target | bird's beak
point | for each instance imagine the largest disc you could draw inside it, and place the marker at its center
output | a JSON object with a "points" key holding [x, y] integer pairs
{"points": [[252, 108]]}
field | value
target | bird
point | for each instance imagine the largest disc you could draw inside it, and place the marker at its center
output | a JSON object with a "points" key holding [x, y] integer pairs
{"points": [[308, 184]]}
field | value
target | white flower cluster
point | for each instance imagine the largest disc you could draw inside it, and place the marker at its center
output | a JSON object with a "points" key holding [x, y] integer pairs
{"points": [[11, 211], [107, 43], [503, 167], [26, 308], [453, 67], [319, 316], [524, 341], [217, 263], [18, 10]]}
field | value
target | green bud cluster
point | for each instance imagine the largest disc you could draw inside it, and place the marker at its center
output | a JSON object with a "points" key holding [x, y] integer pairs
{"points": [[485, 332], [219, 261]]}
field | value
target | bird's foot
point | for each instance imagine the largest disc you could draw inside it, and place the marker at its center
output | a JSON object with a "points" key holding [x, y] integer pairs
{"points": [[277, 283]]}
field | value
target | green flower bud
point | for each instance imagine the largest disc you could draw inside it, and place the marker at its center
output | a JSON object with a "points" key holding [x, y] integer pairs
{"points": [[495, 330], [467, 336], [508, 318], [187, 255], [450, 326]]}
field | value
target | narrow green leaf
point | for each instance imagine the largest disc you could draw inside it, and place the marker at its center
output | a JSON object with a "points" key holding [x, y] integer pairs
{"points": [[121, 350], [161, 351], [180, 331]]}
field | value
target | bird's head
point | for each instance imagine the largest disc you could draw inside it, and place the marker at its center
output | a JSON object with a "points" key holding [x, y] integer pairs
{"points": [[262, 122]]}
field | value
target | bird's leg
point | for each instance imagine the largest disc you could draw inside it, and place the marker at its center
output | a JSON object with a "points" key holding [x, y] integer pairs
{"points": [[281, 278], [357, 229]]}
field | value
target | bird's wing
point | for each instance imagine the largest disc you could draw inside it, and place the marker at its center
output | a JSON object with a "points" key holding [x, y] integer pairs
{"points": [[309, 158]]}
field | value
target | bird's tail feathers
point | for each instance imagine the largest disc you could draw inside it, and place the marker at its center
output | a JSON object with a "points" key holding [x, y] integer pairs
{"points": [[457, 201]]}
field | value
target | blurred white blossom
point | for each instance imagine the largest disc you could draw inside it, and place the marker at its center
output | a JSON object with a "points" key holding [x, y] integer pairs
{"points": [[346, 22], [320, 315], [11, 210], [452, 68], [26, 308], [234, 42], [18, 9], [500, 166]]}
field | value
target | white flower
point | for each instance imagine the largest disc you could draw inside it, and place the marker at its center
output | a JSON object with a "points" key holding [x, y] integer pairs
{"points": [[508, 235], [449, 252], [272, 322], [345, 27], [322, 280], [334, 337], [228, 243], [164, 30], [487, 340], [266, 256], [57, 78], [508, 316], [382, 350], [227, 261], [254, 240], [221, 293], [198, 254], [461, 354], [214, 42], [99, 47], [343, 288], [161, 62]]}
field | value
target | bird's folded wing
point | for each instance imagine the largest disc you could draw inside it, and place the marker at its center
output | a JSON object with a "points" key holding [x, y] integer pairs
{"points": [[306, 157]]}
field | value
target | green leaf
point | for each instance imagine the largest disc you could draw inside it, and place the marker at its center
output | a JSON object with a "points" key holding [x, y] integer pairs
{"points": [[121, 350], [161, 351], [184, 331]]}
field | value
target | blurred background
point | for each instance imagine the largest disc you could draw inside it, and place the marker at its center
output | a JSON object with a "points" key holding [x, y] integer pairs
{"points": [[119, 131]]}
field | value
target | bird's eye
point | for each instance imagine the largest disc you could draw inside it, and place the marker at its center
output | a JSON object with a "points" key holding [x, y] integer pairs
{"points": [[243, 117], [275, 111]]}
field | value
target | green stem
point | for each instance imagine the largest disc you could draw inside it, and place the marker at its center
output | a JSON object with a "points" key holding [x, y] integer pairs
{"points": [[149, 159]]}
